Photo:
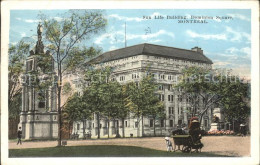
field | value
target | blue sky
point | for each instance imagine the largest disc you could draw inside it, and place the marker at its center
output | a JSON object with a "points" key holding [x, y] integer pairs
{"points": [[226, 42]]}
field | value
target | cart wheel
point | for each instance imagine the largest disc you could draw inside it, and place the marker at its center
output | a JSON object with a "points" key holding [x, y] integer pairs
{"points": [[186, 149]]}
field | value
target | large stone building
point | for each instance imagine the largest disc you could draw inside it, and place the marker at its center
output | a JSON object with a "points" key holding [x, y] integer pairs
{"points": [[165, 64], [39, 118]]}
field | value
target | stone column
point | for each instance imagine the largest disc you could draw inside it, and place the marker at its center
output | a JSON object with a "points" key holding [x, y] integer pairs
{"points": [[30, 98], [54, 98], [112, 128], [23, 98], [176, 106]]}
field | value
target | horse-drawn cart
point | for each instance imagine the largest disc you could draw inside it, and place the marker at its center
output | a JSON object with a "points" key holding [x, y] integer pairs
{"points": [[187, 143]]}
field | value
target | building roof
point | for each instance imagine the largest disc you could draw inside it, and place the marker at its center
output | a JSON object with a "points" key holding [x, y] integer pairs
{"points": [[153, 50]]}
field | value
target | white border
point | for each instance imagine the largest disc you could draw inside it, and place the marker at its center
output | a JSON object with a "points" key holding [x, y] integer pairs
{"points": [[10, 5]]}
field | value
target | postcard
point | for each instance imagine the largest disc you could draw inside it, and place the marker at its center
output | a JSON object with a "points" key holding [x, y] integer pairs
{"points": [[120, 82]]}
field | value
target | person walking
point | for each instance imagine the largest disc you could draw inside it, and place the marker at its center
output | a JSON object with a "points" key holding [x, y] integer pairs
{"points": [[19, 136]]}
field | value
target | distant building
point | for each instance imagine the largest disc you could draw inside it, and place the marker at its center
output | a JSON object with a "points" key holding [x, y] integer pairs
{"points": [[165, 64]]}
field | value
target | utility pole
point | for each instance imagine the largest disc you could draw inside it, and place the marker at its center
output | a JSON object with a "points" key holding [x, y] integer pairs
{"points": [[125, 34]]}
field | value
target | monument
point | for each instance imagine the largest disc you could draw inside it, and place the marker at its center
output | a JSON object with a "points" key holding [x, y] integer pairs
{"points": [[217, 120], [39, 117]]}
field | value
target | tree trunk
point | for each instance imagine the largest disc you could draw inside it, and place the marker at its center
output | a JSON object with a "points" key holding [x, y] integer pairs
{"points": [[138, 126], [123, 127], [142, 125], [59, 104], [108, 125], [154, 133], [84, 129], [98, 125]]}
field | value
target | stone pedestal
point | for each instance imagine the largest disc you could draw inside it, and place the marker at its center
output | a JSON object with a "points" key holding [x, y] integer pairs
{"points": [[213, 126]]}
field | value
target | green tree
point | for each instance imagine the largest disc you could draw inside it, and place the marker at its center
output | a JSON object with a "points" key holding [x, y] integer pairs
{"points": [[214, 88], [141, 99], [114, 107], [94, 95], [64, 38], [17, 54], [76, 109]]}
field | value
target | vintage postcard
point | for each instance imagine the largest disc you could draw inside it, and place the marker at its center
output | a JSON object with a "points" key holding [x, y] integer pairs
{"points": [[119, 82]]}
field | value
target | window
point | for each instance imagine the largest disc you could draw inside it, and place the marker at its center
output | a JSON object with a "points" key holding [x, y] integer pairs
{"points": [[169, 87], [41, 104], [151, 122], [78, 126], [41, 98], [170, 98], [171, 110], [161, 87], [125, 123], [171, 123], [179, 122], [135, 75], [121, 78], [30, 65], [161, 97], [93, 125], [162, 123]]}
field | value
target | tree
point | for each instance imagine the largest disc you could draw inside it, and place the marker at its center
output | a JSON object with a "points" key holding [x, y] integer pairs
{"points": [[206, 88], [114, 107], [94, 95], [141, 99], [64, 39], [76, 109], [17, 55]]}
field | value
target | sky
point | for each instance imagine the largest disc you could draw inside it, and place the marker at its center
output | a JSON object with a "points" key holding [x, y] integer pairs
{"points": [[227, 42]]}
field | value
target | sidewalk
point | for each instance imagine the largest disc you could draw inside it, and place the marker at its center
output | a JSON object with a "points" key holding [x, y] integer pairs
{"points": [[224, 145]]}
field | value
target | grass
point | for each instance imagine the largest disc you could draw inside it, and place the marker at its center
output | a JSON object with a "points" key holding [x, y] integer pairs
{"points": [[101, 151]]}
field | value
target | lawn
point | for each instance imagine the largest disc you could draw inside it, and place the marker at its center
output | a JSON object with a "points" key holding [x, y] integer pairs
{"points": [[100, 151]]}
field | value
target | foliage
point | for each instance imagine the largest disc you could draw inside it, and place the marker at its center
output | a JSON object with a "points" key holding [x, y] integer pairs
{"points": [[75, 109], [17, 54], [215, 88], [142, 101], [64, 38], [66, 88]]}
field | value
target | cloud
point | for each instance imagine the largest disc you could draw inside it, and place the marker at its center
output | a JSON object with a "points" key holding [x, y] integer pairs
{"points": [[206, 36], [149, 36], [220, 64], [237, 36], [23, 34], [240, 16], [245, 52], [119, 36], [154, 41], [137, 19], [18, 18], [230, 34], [58, 19], [32, 20], [113, 48], [123, 18]]}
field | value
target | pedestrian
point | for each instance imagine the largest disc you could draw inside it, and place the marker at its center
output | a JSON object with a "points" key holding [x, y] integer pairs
{"points": [[19, 136], [168, 144]]}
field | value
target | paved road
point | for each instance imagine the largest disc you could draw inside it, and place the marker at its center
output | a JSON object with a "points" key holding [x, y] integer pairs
{"points": [[223, 145]]}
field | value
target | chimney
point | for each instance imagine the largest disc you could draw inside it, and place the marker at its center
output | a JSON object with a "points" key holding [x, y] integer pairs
{"points": [[197, 49]]}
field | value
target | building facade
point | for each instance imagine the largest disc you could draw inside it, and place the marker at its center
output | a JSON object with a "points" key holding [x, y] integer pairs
{"points": [[165, 64]]}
